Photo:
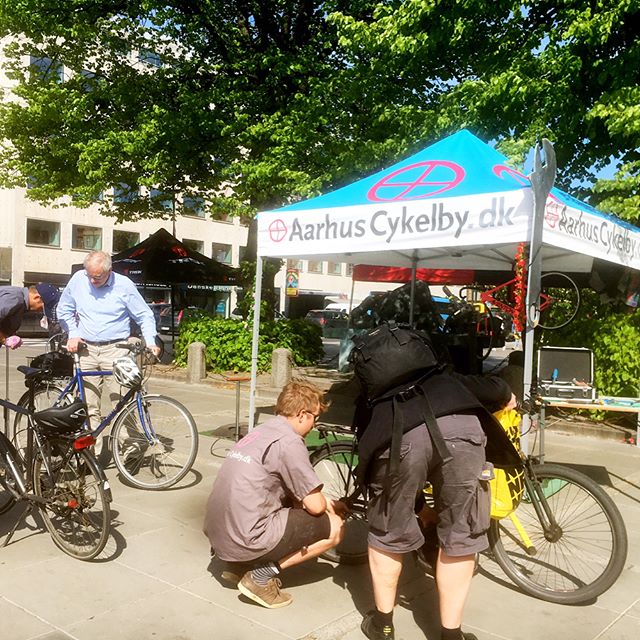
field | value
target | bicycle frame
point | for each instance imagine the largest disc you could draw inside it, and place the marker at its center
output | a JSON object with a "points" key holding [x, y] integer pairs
{"points": [[77, 383]]}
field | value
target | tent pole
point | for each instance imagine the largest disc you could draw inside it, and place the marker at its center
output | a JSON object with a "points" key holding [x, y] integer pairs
{"points": [[254, 341], [353, 286], [414, 264], [542, 178]]}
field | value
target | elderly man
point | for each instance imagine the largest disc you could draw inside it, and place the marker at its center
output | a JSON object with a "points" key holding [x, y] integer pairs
{"points": [[95, 309], [16, 301]]}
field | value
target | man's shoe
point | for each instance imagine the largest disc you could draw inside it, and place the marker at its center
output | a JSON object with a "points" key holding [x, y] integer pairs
{"points": [[268, 595], [372, 631]]}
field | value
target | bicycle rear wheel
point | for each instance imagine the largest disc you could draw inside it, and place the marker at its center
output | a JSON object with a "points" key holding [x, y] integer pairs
{"points": [[44, 397], [559, 300], [577, 562], [335, 466], [163, 458], [76, 510]]}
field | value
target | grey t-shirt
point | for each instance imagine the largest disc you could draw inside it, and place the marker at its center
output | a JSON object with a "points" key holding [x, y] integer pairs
{"points": [[256, 486]]}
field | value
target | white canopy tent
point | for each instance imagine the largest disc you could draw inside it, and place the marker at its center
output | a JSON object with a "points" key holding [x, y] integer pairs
{"points": [[454, 205]]}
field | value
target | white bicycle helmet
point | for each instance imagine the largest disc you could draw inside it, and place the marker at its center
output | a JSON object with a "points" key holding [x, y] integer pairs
{"points": [[127, 373]]}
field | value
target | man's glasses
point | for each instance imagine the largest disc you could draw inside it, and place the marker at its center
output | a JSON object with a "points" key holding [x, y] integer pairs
{"points": [[315, 415]]}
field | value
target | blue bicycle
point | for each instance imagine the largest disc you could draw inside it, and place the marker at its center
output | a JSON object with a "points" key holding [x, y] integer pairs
{"points": [[154, 438]]}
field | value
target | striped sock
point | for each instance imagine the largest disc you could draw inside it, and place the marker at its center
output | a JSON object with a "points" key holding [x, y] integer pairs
{"points": [[261, 575]]}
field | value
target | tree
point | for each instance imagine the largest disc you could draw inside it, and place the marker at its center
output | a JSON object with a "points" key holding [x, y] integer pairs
{"points": [[279, 100]]}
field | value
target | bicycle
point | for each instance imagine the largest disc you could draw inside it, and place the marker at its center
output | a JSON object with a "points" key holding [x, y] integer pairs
{"points": [[565, 542], [559, 304], [154, 438], [58, 475]]}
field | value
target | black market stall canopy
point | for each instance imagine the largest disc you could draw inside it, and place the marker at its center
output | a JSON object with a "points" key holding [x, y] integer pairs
{"points": [[162, 260]]}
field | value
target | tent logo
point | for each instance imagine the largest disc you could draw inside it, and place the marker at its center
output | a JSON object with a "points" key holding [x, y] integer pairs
{"points": [[277, 230], [411, 183]]}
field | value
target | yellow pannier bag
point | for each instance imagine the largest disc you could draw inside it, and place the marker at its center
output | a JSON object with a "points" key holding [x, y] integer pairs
{"points": [[507, 486]]}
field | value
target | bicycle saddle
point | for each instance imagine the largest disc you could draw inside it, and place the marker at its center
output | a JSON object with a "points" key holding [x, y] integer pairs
{"points": [[67, 419]]}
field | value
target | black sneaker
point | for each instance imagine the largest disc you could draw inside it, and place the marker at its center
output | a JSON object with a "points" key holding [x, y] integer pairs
{"points": [[372, 631]]}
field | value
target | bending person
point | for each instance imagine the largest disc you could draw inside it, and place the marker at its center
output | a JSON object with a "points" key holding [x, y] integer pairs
{"points": [[461, 407]]}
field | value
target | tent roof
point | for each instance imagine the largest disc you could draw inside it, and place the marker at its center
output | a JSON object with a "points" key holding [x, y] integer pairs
{"points": [[163, 259], [454, 205]]}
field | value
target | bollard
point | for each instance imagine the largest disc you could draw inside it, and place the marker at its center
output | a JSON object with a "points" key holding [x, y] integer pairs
{"points": [[196, 369], [280, 367]]}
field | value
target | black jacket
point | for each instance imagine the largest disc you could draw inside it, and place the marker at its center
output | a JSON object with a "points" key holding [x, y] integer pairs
{"points": [[448, 393]]}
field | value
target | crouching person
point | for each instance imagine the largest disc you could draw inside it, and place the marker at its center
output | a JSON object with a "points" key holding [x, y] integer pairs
{"points": [[266, 511]]}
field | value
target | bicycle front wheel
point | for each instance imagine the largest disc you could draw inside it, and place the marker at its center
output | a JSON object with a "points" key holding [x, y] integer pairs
{"points": [[559, 300], [76, 497], [335, 466], [577, 561], [9, 467], [162, 455]]}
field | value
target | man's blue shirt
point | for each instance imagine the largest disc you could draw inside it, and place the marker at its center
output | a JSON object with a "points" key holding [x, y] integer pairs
{"points": [[100, 314]]}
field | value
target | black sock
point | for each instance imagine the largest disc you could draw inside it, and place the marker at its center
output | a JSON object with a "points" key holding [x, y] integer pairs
{"points": [[383, 619], [451, 634]]}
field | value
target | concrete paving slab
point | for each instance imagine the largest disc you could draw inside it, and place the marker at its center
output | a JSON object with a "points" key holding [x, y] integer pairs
{"points": [[171, 615], [19, 624], [154, 580]]}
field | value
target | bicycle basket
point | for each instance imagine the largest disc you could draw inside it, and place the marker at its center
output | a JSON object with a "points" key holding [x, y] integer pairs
{"points": [[507, 486], [60, 364]]}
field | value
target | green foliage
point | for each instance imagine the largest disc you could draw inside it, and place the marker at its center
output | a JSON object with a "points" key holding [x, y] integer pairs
{"points": [[613, 334], [228, 342], [282, 100]]}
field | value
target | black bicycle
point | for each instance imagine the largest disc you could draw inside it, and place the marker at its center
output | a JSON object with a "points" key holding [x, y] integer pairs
{"points": [[57, 475], [565, 542]]}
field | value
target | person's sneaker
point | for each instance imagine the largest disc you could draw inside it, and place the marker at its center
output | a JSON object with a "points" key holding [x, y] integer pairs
{"points": [[268, 595], [469, 636], [372, 631]]}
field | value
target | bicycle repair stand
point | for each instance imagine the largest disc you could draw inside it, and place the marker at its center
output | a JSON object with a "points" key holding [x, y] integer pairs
{"points": [[238, 380]]}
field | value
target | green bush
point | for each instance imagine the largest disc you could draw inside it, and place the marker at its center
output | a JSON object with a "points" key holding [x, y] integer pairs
{"points": [[228, 342], [613, 334]]}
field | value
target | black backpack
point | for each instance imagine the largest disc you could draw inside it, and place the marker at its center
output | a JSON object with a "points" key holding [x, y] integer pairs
{"points": [[391, 362], [390, 356]]}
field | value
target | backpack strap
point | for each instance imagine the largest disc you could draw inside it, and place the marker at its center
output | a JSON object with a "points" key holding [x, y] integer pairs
{"points": [[397, 431], [432, 426]]}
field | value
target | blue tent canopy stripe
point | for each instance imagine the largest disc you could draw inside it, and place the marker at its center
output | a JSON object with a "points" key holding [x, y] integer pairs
{"points": [[457, 204]]}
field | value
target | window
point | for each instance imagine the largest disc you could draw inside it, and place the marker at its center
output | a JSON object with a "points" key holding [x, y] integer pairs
{"points": [[242, 252], [294, 264], [314, 266], [193, 206], [349, 272], [221, 252], [86, 238], [124, 240], [149, 57], [43, 232], [334, 268], [161, 200], [47, 69], [194, 245], [219, 216], [5, 265], [124, 193]]}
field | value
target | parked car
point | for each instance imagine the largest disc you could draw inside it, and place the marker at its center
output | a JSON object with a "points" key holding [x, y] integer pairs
{"points": [[333, 322]]}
